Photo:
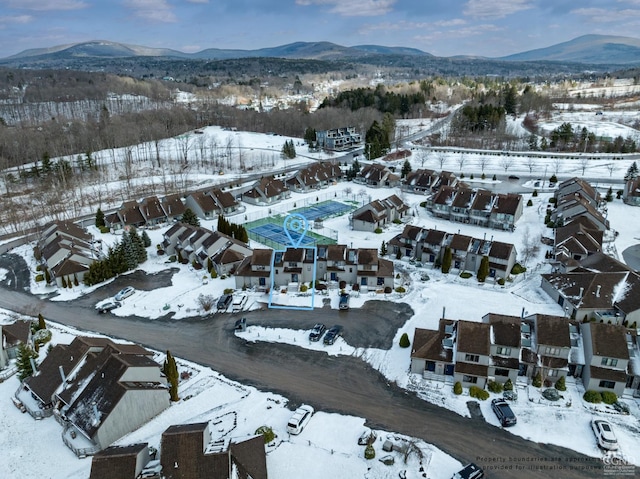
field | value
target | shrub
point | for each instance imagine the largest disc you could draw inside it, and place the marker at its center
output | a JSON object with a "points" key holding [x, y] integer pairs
{"points": [[377, 231], [423, 204], [399, 254], [400, 289], [553, 179], [501, 281], [369, 452], [592, 396], [206, 301], [39, 267], [518, 268], [39, 278], [560, 384], [214, 273], [397, 221], [478, 393], [342, 284], [537, 380], [387, 289], [465, 275], [608, 397], [104, 229], [173, 258], [508, 386], [483, 176], [535, 193], [457, 388], [303, 288], [228, 291], [267, 433], [552, 200], [495, 387], [404, 340], [494, 178], [355, 287], [529, 203], [471, 177]]}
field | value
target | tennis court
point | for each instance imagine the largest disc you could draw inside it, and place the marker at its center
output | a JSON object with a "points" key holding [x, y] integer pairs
{"points": [[276, 234], [326, 209]]}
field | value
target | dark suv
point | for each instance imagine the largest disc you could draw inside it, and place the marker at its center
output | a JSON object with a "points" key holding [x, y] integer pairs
{"points": [[317, 332], [225, 301], [504, 413], [333, 334]]}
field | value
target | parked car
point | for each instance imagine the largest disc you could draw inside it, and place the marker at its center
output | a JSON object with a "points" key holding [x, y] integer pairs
{"points": [[514, 177], [224, 302], [300, 419], [333, 334], [344, 301], [605, 437], [504, 413], [317, 332], [470, 471], [108, 306], [124, 293]]}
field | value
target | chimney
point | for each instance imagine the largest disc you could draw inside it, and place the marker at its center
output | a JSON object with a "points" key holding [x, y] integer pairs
{"points": [[96, 414], [598, 291], [443, 311], [64, 378], [581, 292], [33, 366]]}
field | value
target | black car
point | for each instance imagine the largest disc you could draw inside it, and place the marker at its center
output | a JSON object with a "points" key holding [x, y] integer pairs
{"points": [[333, 334], [225, 301], [470, 471], [241, 324], [514, 177], [108, 306], [504, 413], [317, 332], [344, 301]]}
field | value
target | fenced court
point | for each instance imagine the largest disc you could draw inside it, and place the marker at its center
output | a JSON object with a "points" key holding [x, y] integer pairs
{"points": [[270, 231]]}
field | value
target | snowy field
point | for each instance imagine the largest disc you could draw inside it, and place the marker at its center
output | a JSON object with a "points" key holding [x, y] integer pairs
{"points": [[330, 439]]}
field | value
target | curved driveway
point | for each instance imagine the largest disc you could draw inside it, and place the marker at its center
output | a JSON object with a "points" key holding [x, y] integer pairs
{"points": [[345, 385]]}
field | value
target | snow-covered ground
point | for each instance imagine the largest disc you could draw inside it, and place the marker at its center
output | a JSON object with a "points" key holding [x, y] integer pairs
{"points": [[330, 439]]}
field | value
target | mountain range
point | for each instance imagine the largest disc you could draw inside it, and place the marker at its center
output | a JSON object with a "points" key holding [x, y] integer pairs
{"points": [[588, 49]]}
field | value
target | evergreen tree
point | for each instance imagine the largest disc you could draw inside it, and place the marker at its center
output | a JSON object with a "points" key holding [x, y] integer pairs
{"points": [[404, 340], [632, 172], [190, 218], [243, 235], [383, 249], [130, 252], [446, 260], [406, 169], [510, 100], [483, 271], [609, 196], [145, 239], [23, 361], [75, 280], [170, 370], [376, 141], [41, 322], [138, 246], [100, 219], [310, 136], [64, 282]]}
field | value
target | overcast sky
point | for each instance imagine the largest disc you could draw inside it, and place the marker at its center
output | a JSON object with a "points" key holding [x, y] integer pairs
{"points": [[489, 28]]}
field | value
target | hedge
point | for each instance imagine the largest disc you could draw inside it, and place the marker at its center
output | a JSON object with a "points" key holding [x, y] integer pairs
{"points": [[478, 393], [592, 396]]}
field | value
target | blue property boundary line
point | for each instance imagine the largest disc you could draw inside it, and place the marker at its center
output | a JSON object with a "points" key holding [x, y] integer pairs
{"points": [[295, 227]]}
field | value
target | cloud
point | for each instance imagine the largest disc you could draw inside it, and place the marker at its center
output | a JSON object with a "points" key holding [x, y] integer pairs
{"points": [[4, 20], [405, 26], [45, 4], [606, 15], [154, 10], [197, 1], [495, 8], [354, 8]]}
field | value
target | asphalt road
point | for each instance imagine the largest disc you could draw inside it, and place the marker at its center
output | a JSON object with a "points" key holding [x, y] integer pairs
{"points": [[345, 385]]}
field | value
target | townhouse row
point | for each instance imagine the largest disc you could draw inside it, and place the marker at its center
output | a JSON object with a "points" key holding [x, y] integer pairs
{"points": [[428, 246], [500, 348]]}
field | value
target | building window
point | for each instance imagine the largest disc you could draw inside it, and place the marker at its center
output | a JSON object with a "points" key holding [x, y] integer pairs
{"points": [[380, 281], [469, 379], [551, 351], [553, 373], [504, 351], [609, 362], [607, 384], [471, 358], [502, 372], [293, 264]]}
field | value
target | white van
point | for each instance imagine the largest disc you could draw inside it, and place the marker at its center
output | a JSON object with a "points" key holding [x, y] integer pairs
{"points": [[299, 419]]}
